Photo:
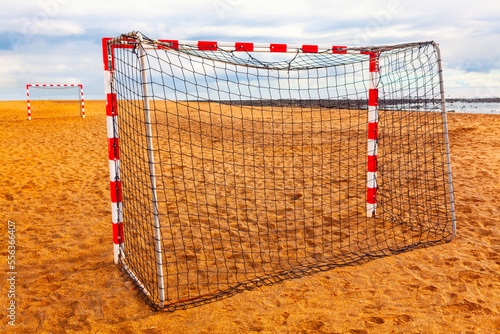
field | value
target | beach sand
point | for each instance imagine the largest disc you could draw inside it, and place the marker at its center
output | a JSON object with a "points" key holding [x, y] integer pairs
{"points": [[54, 187]]}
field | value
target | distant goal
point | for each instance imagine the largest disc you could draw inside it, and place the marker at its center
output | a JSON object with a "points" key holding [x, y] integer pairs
{"points": [[55, 100], [236, 165]]}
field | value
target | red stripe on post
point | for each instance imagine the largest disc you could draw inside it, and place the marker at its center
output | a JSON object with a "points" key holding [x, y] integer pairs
{"points": [[310, 48], [278, 48], [125, 44], [373, 97], [175, 43], [373, 130], [371, 195], [113, 149], [207, 46], [111, 104], [118, 233], [372, 163], [105, 53], [243, 47], [116, 191]]}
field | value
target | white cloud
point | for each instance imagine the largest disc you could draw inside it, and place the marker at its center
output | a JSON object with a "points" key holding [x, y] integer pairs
{"points": [[60, 39], [42, 63], [460, 78], [26, 27]]}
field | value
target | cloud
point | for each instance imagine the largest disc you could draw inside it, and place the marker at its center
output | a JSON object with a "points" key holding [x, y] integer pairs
{"points": [[56, 40], [42, 62], [25, 27], [461, 78]]}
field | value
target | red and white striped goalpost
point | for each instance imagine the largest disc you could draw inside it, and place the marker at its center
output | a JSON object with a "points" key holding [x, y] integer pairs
{"points": [[371, 188], [82, 101], [114, 156]]}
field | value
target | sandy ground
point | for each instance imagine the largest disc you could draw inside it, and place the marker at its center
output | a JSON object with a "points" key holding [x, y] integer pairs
{"points": [[53, 186]]}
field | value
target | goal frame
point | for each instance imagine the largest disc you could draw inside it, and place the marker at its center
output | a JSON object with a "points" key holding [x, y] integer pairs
{"points": [[108, 45], [56, 86]]}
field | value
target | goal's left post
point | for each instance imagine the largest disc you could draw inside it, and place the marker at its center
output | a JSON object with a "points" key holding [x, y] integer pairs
{"points": [[113, 153], [113, 103]]}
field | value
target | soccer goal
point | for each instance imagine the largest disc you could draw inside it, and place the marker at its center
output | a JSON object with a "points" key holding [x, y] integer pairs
{"points": [[235, 165], [55, 100]]}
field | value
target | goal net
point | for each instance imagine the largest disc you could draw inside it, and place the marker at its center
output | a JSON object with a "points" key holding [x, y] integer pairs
{"points": [[47, 101], [236, 165]]}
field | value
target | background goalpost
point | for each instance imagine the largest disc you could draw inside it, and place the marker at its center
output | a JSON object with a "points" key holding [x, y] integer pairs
{"points": [[55, 99], [234, 165]]}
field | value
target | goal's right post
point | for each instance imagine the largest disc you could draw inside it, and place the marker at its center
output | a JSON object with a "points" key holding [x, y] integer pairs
{"points": [[82, 102], [371, 187], [28, 100]]}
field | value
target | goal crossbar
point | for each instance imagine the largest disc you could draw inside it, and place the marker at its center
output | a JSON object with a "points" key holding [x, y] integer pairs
{"points": [[129, 40]]}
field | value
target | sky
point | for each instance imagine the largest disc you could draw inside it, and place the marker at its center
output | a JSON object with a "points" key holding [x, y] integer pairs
{"points": [[59, 41]]}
